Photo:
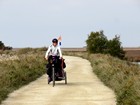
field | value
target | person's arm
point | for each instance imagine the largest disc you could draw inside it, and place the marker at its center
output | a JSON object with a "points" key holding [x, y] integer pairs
{"points": [[60, 53], [47, 53]]}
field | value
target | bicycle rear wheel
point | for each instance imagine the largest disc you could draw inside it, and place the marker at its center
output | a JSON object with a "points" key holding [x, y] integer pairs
{"points": [[65, 74]]}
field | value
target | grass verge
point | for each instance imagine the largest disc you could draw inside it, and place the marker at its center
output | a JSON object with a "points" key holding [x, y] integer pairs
{"points": [[121, 76], [16, 73]]}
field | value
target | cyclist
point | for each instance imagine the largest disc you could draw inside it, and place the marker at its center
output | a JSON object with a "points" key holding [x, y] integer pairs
{"points": [[53, 50]]}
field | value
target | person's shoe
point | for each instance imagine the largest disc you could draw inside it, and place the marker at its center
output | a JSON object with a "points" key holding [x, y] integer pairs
{"points": [[49, 80]]}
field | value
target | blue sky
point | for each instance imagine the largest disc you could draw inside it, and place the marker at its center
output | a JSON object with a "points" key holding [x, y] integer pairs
{"points": [[33, 23]]}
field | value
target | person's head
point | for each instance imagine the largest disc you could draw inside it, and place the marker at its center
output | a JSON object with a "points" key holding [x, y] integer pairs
{"points": [[55, 42]]}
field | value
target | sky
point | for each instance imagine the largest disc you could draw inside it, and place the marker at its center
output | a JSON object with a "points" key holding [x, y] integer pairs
{"points": [[34, 23]]}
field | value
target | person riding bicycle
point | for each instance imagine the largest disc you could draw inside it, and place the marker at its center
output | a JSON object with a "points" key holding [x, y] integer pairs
{"points": [[53, 50]]}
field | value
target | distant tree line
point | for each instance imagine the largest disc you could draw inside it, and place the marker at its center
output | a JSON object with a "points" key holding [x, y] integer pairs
{"points": [[97, 42], [3, 47]]}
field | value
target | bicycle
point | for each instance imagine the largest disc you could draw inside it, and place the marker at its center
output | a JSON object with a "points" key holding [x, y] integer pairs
{"points": [[56, 75]]}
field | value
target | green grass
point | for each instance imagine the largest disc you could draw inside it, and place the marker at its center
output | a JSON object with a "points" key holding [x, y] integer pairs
{"points": [[122, 77], [16, 73]]}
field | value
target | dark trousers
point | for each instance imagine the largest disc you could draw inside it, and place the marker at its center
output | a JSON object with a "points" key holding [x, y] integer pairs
{"points": [[57, 68], [49, 70]]}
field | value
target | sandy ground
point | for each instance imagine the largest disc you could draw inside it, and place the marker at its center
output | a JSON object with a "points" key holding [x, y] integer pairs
{"points": [[83, 88]]}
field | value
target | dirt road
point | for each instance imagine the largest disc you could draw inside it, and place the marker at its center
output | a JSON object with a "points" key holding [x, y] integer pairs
{"points": [[83, 88]]}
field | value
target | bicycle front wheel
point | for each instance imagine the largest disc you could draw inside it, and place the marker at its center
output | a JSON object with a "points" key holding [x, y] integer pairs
{"points": [[53, 76]]}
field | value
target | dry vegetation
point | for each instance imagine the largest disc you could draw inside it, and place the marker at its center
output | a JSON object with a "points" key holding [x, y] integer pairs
{"points": [[133, 54], [121, 76], [19, 68], [5, 57]]}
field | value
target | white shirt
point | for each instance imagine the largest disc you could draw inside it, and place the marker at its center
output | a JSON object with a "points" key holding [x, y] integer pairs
{"points": [[54, 51]]}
